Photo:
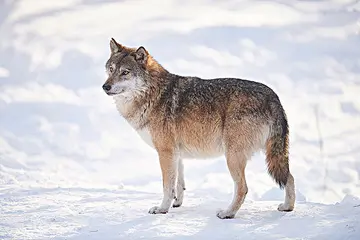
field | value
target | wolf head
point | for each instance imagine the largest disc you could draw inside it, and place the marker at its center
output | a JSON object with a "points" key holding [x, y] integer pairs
{"points": [[127, 70]]}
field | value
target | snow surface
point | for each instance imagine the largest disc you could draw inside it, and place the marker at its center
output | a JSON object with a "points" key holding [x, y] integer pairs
{"points": [[80, 213], [72, 168]]}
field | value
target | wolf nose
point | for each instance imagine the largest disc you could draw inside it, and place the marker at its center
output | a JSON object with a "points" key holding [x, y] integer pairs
{"points": [[106, 87]]}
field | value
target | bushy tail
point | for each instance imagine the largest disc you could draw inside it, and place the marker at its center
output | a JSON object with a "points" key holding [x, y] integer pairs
{"points": [[277, 150]]}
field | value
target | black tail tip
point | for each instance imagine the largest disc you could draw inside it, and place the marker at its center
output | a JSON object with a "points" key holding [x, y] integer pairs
{"points": [[281, 180], [282, 185]]}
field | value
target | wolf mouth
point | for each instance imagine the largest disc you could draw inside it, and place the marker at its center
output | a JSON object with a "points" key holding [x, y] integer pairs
{"points": [[113, 93]]}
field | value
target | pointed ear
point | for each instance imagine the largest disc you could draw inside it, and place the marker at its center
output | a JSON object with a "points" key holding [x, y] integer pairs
{"points": [[141, 55], [115, 47]]}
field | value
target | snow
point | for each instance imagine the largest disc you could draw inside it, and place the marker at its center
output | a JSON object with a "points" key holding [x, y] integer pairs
{"points": [[4, 72], [72, 168], [100, 213]]}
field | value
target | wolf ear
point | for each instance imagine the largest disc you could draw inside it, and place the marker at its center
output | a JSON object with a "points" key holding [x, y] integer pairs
{"points": [[115, 47], [141, 55]]}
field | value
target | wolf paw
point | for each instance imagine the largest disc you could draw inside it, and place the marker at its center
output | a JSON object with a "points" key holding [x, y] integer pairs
{"points": [[158, 210], [225, 214], [285, 207], [178, 202]]}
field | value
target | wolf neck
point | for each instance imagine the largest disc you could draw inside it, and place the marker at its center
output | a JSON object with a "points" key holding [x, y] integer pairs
{"points": [[136, 109], [133, 109]]}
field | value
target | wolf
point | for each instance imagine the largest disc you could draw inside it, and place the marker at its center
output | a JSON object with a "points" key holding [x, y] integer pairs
{"points": [[190, 117]]}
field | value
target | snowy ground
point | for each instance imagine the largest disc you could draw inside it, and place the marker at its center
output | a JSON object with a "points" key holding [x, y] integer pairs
{"points": [[77, 213], [71, 168]]}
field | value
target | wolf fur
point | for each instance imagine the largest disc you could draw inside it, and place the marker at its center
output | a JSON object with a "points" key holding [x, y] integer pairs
{"points": [[189, 117]]}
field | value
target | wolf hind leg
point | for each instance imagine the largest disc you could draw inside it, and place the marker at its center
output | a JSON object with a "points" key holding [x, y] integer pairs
{"points": [[289, 202], [236, 163]]}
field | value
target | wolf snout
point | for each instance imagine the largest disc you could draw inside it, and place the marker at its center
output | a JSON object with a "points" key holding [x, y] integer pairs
{"points": [[106, 87]]}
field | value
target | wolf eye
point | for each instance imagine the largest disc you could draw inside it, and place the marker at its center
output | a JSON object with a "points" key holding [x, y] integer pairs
{"points": [[125, 72], [111, 68]]}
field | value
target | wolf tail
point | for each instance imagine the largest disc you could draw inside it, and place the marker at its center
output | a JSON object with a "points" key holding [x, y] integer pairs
{"points": [[277, 149]]}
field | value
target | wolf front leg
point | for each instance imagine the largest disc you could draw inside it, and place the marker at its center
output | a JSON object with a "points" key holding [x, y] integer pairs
{"points": [[169, 166], [180, 187]]}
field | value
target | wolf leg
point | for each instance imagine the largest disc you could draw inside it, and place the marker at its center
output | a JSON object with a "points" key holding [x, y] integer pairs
{"points": [[180, 187], [169, 165], [289, 203], [236, 163]]}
